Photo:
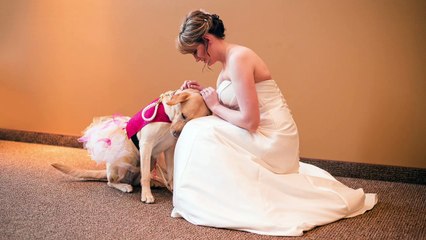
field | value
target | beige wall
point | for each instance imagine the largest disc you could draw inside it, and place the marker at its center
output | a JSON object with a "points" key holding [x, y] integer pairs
{"points": [[352, 71]]}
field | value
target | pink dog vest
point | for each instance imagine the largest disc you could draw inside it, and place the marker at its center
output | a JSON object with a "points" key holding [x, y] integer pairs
{"points": [[136, 123]]}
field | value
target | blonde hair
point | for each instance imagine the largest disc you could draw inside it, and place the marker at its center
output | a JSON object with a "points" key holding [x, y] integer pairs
{"points": [[196, 24]]}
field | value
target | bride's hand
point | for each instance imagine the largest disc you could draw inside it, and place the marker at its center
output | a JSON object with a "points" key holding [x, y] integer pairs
{"points": [[191, 84], [210, 97]]}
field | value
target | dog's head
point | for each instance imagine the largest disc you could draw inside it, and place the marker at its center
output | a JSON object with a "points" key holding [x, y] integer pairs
{"points": [[192, 106]]}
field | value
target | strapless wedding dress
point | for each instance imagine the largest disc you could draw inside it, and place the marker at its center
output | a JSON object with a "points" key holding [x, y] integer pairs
{"points": [[226, 177]]}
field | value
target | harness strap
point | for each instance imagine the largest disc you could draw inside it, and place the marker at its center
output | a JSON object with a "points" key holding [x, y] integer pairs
{"points": [[135, 141]]}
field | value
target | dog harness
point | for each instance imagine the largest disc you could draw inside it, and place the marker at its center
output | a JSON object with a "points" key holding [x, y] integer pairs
{"points": [[157, 114]]}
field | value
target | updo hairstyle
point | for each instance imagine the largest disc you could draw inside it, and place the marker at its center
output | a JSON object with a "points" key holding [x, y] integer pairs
{"points": [[195, 26]]}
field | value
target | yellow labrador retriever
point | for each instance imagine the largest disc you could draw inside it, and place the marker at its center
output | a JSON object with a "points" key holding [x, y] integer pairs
{"points": [[124, 144]]}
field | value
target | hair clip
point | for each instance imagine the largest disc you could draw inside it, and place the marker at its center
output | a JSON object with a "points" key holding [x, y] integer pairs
{"points": [[205, 19]]}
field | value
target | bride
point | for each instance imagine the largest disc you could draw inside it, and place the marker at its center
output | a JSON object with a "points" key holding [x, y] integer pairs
{"points": [[239, 168]]}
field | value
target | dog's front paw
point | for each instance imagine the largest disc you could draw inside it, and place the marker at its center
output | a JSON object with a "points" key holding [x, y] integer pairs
{"points": [[147, 197]]}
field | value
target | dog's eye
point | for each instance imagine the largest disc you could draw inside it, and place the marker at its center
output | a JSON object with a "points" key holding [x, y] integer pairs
{"points": [[183, 116]]}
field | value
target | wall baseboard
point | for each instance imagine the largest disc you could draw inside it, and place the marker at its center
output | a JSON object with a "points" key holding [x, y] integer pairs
{"points": [[370, 171], [41, 138], [336, 168]]}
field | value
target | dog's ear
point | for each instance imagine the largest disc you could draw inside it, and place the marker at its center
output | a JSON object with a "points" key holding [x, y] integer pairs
{"points": [[178, 98]]}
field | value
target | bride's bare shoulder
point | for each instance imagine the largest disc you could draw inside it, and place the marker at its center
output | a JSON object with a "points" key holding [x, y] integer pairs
{"points": [[239, 53]]}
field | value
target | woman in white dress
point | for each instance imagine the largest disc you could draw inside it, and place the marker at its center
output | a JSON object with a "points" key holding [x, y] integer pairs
{"points": [[239, 168]]}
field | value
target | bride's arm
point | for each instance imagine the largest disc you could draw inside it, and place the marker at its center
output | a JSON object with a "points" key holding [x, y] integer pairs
{"points": [[240, 70]]}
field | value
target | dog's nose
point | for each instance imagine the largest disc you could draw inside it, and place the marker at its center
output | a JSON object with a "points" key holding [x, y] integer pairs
{"points": [[176, 134]]}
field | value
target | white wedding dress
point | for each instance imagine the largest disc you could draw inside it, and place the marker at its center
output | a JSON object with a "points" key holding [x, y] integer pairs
{"points": [[226, 177]]}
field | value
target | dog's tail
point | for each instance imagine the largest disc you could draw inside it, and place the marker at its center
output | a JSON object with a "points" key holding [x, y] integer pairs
{"points": [[99, 175]]}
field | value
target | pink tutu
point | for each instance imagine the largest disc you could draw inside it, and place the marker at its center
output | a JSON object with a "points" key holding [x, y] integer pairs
{"points": [[106, 139]]}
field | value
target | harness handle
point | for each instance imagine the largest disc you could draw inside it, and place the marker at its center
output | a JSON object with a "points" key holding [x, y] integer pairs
{"points": [[153, 114], [160, 99]]}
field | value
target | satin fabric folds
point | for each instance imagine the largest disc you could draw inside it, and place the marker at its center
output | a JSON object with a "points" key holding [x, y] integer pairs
{"points": [[226, 177]]}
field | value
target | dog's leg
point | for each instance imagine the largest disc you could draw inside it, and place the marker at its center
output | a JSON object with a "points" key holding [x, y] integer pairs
{"points": [[169, 157], [145, 157], [114, 175]]}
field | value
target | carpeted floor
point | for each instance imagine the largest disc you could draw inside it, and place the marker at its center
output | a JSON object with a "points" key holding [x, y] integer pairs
{"points": [[38, 202]]}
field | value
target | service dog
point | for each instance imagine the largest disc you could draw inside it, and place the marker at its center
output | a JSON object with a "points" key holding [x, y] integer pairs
{"points": [[131, 146]]}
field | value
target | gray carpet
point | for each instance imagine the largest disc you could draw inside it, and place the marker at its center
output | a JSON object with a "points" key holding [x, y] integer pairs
{"points": [[38, 202]]}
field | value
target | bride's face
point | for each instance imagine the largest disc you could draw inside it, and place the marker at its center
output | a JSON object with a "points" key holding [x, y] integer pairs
{"points": [[200, 54]]}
